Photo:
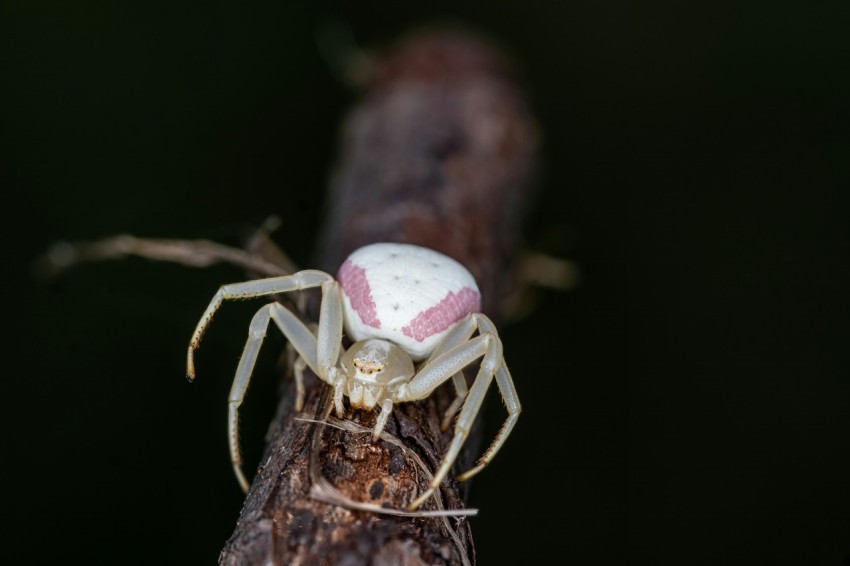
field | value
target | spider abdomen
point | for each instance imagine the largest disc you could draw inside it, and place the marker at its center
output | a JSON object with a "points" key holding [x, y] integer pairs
{"points": [[406, 294]]}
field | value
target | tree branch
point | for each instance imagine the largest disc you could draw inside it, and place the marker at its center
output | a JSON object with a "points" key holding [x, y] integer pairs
{"points": [[438, 153]]}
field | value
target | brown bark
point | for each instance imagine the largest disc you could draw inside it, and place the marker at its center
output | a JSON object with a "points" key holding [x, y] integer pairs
{"points": [[438, 153]]}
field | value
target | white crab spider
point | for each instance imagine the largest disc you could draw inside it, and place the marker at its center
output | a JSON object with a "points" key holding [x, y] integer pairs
{"points": [[401, 305]]}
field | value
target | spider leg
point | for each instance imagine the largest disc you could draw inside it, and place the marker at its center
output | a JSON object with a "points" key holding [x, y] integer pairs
{"points": [[291, 358], [460, 390], [381, 421], [508, 391], [493, 365], [247, 290], [329, 333], [442, 368], [458, 335], [339, 391], [509, 395], [298, 373], [329, 342], [301, 339], [437, 371]]}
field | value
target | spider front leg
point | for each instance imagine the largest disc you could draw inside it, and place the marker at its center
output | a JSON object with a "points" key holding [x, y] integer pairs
{"points": [[247, 290], [440, 369], [318, 352], [458, 335], [301, 339], [509, 395]]}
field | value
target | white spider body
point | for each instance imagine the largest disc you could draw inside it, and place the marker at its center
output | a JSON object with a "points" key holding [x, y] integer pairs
{"points": [[408, 295], [400, 304]]}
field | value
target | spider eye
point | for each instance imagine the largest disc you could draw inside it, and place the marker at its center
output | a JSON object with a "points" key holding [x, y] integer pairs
{"points": [[357, 363]]}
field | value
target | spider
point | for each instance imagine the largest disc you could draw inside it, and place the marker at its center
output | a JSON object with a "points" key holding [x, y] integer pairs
{"points": [[411, 313]]}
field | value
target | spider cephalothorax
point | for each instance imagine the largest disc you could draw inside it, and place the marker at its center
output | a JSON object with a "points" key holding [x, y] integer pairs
{"points": [[374, 369], [412, 313]]}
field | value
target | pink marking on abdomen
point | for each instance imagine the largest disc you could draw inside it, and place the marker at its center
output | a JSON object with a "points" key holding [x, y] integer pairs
{"points": [[451, 309], [352, 279]]}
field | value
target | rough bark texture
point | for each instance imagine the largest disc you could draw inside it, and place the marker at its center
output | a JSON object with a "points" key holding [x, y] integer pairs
{"points": [[438, 153]]}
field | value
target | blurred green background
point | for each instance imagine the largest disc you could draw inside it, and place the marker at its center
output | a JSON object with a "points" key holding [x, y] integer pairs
{"points": [[689, 403]]}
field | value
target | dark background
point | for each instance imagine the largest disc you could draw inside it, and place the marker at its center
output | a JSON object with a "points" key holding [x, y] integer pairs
{"points": [[688, 403]]}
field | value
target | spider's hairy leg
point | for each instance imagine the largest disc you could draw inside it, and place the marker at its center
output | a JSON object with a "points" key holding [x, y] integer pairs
{"points": [[247, 290], [329, 342], [458, 335], [492, 365], [301, 339], [435, 372], [442, 368], [298, 373], [509, 395], [461, 391], [329, 334]]}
